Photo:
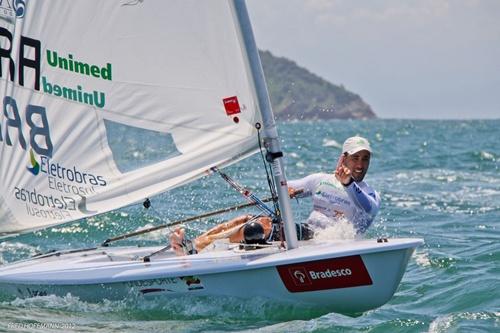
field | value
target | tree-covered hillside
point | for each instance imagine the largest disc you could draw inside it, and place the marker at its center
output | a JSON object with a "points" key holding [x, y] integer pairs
{"points": [[296, 93]]}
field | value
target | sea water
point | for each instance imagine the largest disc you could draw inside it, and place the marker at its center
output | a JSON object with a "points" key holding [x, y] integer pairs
{"points": [[439, 180]]}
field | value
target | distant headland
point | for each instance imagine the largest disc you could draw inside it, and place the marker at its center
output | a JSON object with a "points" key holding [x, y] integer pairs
{"points": [[297, 93]]}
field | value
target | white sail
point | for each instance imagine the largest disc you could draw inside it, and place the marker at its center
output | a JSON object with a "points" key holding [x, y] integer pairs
{"points": [[68, 68]]}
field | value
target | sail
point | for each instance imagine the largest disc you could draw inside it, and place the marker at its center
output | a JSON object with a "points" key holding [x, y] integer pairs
{"points": [[72, 72]]}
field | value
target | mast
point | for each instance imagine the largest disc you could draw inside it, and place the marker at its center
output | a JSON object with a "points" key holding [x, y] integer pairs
{"points": [[271, 139]]}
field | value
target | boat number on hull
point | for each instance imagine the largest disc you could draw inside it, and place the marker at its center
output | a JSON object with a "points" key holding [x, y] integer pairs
{"points": [[28, 292], [325, 274], [171, 285]]}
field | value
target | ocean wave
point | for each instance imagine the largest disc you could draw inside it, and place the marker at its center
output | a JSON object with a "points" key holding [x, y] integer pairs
{"points": [[178, 308], [12, 250], [157, 235], [484, 155], [448, 322], [68, 303], [331, 143], [443, 176]]}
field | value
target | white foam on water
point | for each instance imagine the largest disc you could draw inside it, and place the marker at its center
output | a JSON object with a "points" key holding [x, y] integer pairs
{"points": [[68, 303], [487, 156], [138, 154], [422, 258], [69, 229], [222, 307], [300, 164], [17, 248], [102, 221], [447, 178], [156, 235], [441, 324], [331, 143], [445, 323], [445, 175], [402, 175], [407, 204]]}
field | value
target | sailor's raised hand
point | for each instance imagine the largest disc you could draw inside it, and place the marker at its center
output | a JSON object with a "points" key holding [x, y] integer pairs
{"points": [[343, 174]]}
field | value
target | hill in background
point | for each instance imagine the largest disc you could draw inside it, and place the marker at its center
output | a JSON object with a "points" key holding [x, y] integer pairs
{"points": [[297, 93]]}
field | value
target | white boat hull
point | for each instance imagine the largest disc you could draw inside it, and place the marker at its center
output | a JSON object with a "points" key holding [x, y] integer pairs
{"points": [[345, 277]]}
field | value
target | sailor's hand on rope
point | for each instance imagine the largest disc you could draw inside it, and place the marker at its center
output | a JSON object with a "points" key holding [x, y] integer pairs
{"points": [[294, 192], [176, 239], [180, 244]]}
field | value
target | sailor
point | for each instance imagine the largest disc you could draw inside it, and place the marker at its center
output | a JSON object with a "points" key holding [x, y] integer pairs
{"points": [[342, 195], [245, 228]]}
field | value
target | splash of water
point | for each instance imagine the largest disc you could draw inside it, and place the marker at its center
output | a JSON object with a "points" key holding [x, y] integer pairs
{"points": [[341, 229]]}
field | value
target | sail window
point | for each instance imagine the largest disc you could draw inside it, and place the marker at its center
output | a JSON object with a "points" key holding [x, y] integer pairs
{"points": [[135, 147]]}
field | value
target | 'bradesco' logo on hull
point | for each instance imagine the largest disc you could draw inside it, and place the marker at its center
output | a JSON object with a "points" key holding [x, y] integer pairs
{"points": [[56, 170], [325, 274]]}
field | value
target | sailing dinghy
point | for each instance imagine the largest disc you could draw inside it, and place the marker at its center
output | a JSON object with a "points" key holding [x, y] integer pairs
{"points": [[190, 70]]}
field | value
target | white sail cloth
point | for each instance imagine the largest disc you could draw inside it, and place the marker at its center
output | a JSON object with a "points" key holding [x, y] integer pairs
{"points": [[176, 67]]}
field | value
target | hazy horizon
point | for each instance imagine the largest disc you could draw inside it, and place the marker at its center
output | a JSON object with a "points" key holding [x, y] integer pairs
{"points": [[429, 59]]}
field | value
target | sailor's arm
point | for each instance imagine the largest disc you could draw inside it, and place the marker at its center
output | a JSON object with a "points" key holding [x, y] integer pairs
{"points": [[303, 187], [369, 201]]}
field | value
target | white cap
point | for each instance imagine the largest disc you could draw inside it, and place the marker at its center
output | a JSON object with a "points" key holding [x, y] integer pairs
{"points": [[355, 144]]}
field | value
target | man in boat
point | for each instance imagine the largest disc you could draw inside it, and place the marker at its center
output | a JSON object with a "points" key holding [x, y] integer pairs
{"points": [[342, 195]]}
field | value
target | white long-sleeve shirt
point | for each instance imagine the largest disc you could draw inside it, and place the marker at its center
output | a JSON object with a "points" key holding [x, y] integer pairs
{"points": [[358, 202]]}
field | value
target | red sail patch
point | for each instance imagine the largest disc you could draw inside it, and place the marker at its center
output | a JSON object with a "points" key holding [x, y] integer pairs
{"points": [[325, 274], [231, 105]]}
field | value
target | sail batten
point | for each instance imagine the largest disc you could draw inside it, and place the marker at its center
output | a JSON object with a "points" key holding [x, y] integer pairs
{"points": [[173, 67]]}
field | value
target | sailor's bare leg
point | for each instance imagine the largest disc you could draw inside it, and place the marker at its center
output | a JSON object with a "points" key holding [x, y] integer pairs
{"points": [[206, 238], [237, 236], [218, 232], [223, 227], [211, 235], [264, 221]]}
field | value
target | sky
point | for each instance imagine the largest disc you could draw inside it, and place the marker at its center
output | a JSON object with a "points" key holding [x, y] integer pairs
{"points": [[418, 59]]}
